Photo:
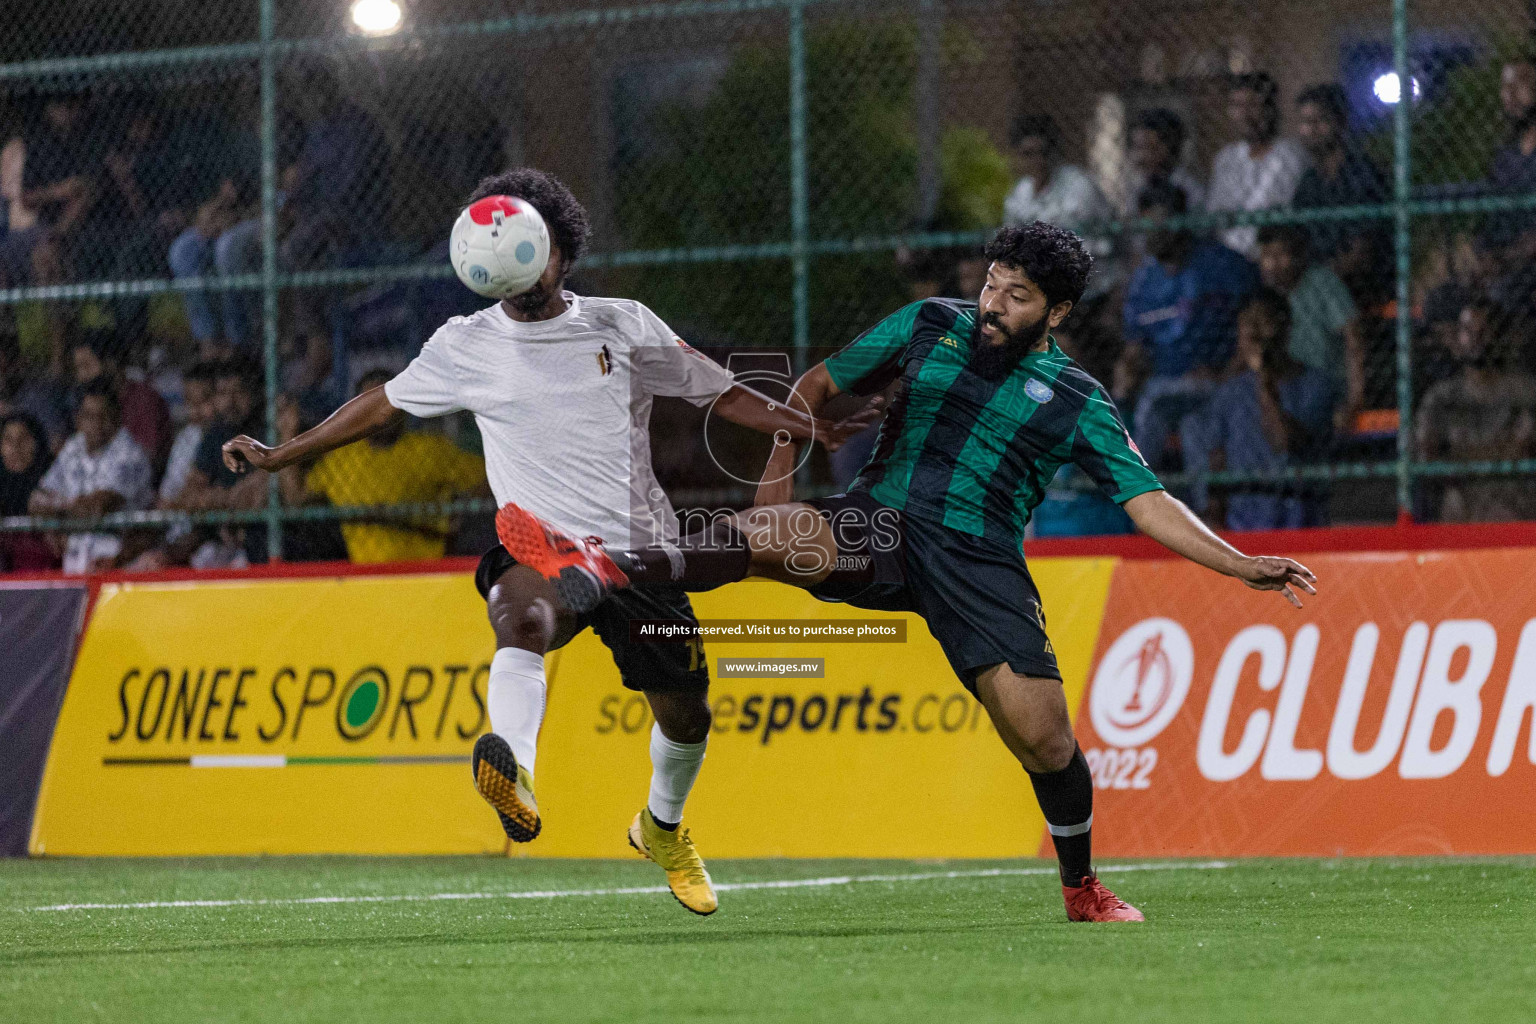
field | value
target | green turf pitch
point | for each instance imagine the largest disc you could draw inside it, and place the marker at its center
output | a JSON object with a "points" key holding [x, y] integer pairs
{"points": [[1313, 941]]}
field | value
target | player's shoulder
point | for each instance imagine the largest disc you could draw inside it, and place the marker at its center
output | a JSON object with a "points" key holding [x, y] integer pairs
{"points": [[1072, 378], [458, 327], [941, 312], [630, 320]]}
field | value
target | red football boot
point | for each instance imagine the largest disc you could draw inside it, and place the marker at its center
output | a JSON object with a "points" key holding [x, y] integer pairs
{"points": [[1091, 901], [581, 570]]}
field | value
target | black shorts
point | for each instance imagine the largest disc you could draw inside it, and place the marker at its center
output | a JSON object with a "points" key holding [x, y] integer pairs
{"points": [[979, 601], [671, 667]]}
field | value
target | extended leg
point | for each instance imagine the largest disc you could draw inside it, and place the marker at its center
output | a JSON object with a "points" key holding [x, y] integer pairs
{"points": [[1031, 716], [791, 543]]}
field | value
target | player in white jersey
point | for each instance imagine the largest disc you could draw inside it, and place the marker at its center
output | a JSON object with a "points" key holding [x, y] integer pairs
{"points": [[561, 388]]}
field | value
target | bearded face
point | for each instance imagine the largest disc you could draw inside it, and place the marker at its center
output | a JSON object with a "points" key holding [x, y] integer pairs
{"points": [[999, 349]]}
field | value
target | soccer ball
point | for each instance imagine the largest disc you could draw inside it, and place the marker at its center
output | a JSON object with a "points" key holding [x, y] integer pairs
{"points": [[499, 246]]}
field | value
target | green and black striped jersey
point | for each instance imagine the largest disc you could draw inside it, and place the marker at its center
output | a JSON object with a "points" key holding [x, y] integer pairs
{"points": [[972, 453]]}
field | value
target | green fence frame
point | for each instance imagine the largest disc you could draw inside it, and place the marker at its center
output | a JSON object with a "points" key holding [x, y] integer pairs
{"points": [[799, 248]]}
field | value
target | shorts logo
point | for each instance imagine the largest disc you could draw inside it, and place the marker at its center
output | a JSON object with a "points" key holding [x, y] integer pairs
{"points": [[1038, 390], [1141, 682]]}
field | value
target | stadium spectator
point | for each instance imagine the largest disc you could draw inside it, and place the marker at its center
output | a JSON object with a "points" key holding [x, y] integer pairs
{"points": [[342, 167], [37, 394], [1179, 320], [237, 410], [392, 466], [1324, 329], [1056, 192], [198, 398], [59, 182], [1156, 148], [1510, 238], [1273, 413], [1340, 175], [147, 170], [1260, 169], [1483, 412], [100, 470], [1514, 165], [98, 354], [224, 236], [17, 221], [23, 461], [1047, 188]]}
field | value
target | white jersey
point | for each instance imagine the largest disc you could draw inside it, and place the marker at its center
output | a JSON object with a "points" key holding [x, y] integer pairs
{"points": [[564, 408]]}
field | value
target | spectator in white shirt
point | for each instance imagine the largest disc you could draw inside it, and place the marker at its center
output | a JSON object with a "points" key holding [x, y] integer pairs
{"points": [[1057, 193], [1156, 145], [100, 470], [1260, 170]]}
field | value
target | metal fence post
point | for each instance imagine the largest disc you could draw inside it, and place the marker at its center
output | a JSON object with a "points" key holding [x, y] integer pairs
{"points": [[269, 261], [1401, 186], [799, 212]]}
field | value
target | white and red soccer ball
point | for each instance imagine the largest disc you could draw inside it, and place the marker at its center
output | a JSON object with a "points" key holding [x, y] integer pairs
{"points": [[499, 246]]}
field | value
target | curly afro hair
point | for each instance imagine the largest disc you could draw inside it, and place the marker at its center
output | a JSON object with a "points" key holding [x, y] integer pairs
{"points": [[1054, 258], [567, 219]]}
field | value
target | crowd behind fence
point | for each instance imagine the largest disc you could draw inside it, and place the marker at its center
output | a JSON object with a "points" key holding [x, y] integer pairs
{"points": [[1314, 225]]}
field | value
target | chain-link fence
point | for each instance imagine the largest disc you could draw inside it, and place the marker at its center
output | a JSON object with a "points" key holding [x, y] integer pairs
{"points": [[1314, 294]]}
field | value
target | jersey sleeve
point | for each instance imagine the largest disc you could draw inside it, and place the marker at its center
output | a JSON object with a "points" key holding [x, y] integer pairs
{"points": [[1103, 449], [666, 365], [429, 386], [869, 362]]}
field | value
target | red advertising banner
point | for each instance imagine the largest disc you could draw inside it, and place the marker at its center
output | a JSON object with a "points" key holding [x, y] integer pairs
{"points": [[1391, 715]]}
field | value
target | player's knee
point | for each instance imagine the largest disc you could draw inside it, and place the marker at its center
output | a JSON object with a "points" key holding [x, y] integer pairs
{"points": [[1050, 747], [529, 625], [683, 719], [790, 543]]}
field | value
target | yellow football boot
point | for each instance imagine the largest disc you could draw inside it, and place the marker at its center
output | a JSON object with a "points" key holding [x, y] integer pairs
{"points": [[507, 787], [674, 851]]}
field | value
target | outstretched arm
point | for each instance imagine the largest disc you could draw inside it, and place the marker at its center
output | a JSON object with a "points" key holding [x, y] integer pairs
{"points": [[815, 389], [355, 420], [1168, 521], [800, 416]]}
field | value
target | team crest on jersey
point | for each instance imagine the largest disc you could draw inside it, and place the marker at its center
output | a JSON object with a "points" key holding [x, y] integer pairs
{"points": [[1038, 390], [605, 361]]}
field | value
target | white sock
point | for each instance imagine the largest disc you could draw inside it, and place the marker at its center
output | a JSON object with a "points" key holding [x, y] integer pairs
{"points": [[515, 699], [674, 767]]}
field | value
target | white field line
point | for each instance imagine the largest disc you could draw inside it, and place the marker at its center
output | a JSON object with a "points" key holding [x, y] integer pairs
{"points": [[635, 890]]}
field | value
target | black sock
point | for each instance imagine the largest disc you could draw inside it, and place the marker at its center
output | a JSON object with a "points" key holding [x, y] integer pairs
{"points": [[1066, 797], [713, 557], [665, 826]]}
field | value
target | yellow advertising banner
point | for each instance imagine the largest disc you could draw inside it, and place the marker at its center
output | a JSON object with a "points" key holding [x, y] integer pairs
{"points": [[327, 715], [336, 715]]}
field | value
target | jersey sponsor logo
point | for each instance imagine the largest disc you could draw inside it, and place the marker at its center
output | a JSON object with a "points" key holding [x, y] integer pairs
{"points": [[1141, 682], [605, 361], [949, 342], [689, 348], [1038, 390]]}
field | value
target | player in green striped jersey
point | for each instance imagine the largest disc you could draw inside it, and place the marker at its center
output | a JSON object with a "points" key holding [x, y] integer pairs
{"points": [[987, 408]]}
